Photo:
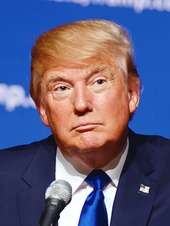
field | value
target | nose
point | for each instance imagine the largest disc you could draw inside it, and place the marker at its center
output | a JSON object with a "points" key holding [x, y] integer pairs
{"points": [[82, 99]]}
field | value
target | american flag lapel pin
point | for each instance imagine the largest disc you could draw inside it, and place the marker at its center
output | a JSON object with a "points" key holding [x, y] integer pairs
{"points": [[144, 189]]}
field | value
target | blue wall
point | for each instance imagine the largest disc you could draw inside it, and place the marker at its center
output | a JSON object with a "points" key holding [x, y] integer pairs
{"points": [[22, 21]]}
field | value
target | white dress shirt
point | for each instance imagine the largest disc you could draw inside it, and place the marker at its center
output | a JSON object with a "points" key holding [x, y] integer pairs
{"points": [[80, 189]]}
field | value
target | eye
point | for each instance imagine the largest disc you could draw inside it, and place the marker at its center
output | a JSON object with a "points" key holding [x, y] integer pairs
{"points": [[100, 84], [100, 81], [60, 88]]}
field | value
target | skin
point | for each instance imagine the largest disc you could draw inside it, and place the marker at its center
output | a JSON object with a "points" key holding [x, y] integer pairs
{"points": [[88, 109]]}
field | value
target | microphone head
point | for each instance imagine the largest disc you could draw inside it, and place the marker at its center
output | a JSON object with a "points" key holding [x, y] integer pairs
{"points": [[59, 189]]}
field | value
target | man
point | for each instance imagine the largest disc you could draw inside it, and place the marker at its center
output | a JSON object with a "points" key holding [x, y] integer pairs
{"points": [[86, 89]]}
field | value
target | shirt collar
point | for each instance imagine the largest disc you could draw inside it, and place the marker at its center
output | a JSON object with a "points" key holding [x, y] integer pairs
{"points": [[65, 170], [114, 173]]}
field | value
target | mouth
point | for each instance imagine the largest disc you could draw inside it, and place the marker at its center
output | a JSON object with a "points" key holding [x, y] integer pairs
{"points": [[84, 127]]}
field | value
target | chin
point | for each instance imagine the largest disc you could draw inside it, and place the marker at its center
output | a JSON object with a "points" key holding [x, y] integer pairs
{"points": [[88, 142], [89, 148]]}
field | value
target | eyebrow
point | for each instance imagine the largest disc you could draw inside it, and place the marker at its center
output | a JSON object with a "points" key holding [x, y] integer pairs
{"points": [[58, 75], [99, 68]]}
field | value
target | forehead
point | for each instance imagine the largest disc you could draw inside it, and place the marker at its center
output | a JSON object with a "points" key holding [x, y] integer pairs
{"points": [[81, 70]]}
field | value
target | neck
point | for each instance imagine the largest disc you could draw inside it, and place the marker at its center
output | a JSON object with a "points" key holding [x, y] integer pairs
{"points": [[107, 157]]}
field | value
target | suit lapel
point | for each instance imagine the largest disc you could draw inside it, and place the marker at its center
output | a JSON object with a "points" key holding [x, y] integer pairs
{"points": [[133, 202], [38, 176], [137, 186]]}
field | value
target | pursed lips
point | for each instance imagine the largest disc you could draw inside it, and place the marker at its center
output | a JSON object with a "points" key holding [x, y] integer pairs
{"points": [[82, 127]]}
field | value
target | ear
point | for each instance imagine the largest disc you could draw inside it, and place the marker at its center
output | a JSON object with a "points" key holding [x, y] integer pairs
{"points": [[133, 93], [42, 109]]}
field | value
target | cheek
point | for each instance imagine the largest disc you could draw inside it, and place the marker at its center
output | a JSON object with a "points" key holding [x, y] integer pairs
{"points": [[113, 105], [59, 116]]}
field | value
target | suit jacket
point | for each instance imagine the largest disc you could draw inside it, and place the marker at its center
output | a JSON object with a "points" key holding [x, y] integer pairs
{"points": [[142, 198]]}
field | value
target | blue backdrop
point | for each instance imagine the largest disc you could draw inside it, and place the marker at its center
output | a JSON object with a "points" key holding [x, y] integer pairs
{"points": [[22, 21]]}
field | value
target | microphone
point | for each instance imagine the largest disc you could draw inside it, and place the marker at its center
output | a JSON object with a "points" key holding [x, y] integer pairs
{"points": [[57, 196]]}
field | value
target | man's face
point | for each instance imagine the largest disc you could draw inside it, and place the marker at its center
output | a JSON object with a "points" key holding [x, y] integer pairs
{"points": [[88, 107]]}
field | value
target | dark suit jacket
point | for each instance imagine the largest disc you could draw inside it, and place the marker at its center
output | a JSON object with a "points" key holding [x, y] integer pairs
{"points": [[26, 172]]}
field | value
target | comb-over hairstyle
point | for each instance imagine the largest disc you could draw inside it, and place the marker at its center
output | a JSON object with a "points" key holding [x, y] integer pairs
{"points": [[76, 42]]}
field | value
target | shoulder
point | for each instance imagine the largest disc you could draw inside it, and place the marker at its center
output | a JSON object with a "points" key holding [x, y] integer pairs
{"points": [[151, 149], [17, 158], [158, 143]]}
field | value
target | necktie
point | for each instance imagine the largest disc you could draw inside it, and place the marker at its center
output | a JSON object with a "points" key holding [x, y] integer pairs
{"points": [[94, 211]]}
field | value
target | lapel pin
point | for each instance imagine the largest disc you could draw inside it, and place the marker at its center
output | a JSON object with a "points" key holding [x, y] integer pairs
{"points": [[144, 189]]}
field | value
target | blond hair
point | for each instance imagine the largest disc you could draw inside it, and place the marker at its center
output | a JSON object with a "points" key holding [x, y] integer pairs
{"points": [[76, 42]]}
